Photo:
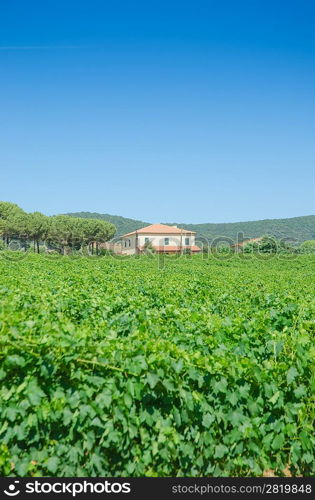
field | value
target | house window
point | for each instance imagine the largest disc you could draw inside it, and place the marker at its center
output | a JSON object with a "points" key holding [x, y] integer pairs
{"points": [[186, 241], [125, 243], [166, 241], [146, 240], [130, 243]]}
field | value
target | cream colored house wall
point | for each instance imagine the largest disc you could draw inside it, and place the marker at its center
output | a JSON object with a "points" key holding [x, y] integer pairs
{"points": [[130, 249], [156, 240], [159, 239]]}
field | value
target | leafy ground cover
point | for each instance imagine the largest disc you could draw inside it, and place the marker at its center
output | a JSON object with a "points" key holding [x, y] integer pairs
{"points": [[116, 367]]}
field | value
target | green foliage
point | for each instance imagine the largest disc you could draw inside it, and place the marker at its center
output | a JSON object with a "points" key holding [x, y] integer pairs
{"points": [[116, 367], [122, 224], [12, 218], [34, 226], [148, 247], [308, 246], [62, 232], [187, 251], [73, 233], [8, 210], [296, 228], [268, 245]]}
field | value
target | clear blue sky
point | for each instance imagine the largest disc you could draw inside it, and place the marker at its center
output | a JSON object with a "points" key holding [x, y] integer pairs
{"points": [[187, 111]]}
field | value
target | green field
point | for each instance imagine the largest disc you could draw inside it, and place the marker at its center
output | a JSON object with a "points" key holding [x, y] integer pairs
{"points": [[120, 368]]}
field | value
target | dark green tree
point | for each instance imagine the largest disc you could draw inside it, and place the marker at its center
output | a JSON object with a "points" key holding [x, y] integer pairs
{"points": [[37, 228], [11, 216], [308, 246]]}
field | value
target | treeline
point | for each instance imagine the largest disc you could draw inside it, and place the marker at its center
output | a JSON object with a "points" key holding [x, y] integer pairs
{"points": [[264, 245], [268, 244], [123, 225], [61, 233]]}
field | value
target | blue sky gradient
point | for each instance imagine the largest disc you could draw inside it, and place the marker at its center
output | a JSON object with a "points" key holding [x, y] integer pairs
{"points": [[199, 111]]}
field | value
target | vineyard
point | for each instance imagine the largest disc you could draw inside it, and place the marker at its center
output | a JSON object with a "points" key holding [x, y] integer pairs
{"points": [[199, 367]]}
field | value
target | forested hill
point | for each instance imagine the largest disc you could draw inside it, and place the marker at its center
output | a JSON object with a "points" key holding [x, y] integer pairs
{"points": [[123, 224], [299, 228]]}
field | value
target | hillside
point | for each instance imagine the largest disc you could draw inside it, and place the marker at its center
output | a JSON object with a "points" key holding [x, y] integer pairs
{"points": [[298, 228], [123, 224]]}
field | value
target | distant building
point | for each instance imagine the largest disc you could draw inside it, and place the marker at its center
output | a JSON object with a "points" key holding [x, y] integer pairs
{"points": [[239, 246], [111, 246], [161, 238]]}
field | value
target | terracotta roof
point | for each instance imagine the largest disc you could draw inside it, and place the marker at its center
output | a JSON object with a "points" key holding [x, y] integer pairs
{"points": [[171, 248], [160, 229]]}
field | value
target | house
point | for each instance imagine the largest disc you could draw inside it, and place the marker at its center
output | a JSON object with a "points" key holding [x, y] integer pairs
{"points": [[114, 247], [161, 238]]}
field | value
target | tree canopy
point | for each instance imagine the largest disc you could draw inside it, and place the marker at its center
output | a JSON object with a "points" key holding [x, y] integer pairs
{"points": [[308, 246], [61, 232]]}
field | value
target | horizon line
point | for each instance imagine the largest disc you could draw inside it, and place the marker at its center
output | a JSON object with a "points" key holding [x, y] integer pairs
{"points": [[190, 223]]}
